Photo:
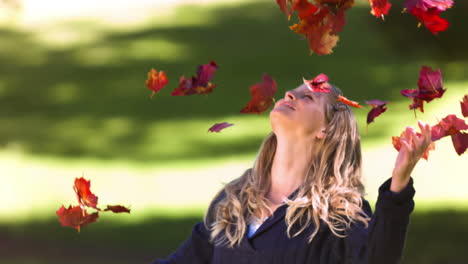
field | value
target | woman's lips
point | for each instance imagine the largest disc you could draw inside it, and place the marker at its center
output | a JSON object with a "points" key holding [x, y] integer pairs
{"points": [[288, 105]]}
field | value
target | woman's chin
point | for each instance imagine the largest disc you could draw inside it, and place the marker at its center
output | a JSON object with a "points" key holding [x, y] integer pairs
{"points": [[278, 116], [279, 111]]}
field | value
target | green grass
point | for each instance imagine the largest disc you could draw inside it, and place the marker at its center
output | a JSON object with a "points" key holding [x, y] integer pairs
{"points": [[77, 105]]}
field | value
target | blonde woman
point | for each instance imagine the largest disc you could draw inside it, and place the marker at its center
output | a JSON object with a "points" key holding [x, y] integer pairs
{"points": [[302, 201]]}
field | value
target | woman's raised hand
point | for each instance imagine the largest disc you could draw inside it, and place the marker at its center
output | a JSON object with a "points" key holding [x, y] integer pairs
{"points": [[412, 149]]}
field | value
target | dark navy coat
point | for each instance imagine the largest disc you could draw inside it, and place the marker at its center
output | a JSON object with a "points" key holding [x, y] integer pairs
{"points": [[381, 243]]}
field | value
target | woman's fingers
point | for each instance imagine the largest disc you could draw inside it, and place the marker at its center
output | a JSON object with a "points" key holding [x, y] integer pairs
{"points": [[415, 143], [425, 137], [410, 136], [421, 126], [405, 145]]}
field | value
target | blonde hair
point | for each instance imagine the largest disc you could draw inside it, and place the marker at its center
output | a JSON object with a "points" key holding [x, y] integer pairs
{"points": [[332, 190]]}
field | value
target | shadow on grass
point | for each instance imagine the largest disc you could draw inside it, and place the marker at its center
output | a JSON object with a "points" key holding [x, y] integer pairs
{"points": [[434, 237], [63, 101]]}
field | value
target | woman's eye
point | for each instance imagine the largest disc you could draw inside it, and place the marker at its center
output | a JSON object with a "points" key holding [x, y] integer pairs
{"points": [[310, 97]]}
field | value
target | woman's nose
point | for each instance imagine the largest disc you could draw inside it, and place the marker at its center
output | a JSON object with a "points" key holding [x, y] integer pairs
{"points": [[290, 95]]}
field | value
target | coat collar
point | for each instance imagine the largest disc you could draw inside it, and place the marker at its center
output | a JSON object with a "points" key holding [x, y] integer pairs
{"points": [[277, 215]]}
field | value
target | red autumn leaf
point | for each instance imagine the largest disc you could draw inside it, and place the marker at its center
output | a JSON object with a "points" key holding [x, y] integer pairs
{"points": [[318, 84], [450, 125], [321, 40], [375, 112], [428, 11], [219, 126], [75, 217], [464, 106], [199, 84], [262, 96], [156, 81], [84, 194], [338, 21], [460, 142], [430, 19], [283, 5], [378, 107], [305, 9], [429, 87], [336, 5], [397, 143], [440, 5], [320, 24], [348, 102], [430, 84], [417, 103], [205, 73], [379, 8], [117, 209]]}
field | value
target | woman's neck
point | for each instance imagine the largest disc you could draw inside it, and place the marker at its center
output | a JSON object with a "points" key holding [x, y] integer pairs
{"points": [[290, 164]]}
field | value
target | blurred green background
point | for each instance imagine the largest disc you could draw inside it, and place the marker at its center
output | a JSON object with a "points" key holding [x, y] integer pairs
{"points": [[73, 103]]}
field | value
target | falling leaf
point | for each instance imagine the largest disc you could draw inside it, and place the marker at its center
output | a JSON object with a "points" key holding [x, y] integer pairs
{"points": [[84, 194], [219, 126], [429, 87], [117, 209], [199, 84], [336, 5], [464, 105], [430, 19], [318, 84], [378, 107], [320, 23], [396, 141], [460, 142], [283, 5], [449, 125], [156, 81], [75, 217], [262, 96], [427, 12], [430, 84], [379, 8], [348, 102], [424, 5]]}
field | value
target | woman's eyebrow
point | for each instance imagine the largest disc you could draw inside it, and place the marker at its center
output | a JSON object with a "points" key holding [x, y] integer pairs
{"points": [[311, 93]]}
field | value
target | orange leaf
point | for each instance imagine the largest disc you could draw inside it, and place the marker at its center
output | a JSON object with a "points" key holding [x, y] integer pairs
{"points": [[75, 217], [379, 7], [397, 144], [320, 23], [84, 194], [348, 102], [156, 81]]}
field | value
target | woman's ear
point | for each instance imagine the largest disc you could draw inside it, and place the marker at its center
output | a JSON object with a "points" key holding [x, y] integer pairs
{"points": [[321, 134]]}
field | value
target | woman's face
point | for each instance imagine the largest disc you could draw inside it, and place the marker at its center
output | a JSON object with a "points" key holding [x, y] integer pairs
{"points": [[301, 112]]}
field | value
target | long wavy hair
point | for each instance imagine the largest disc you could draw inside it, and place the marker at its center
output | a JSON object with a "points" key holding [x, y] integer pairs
{"points": [[332, 191]]}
